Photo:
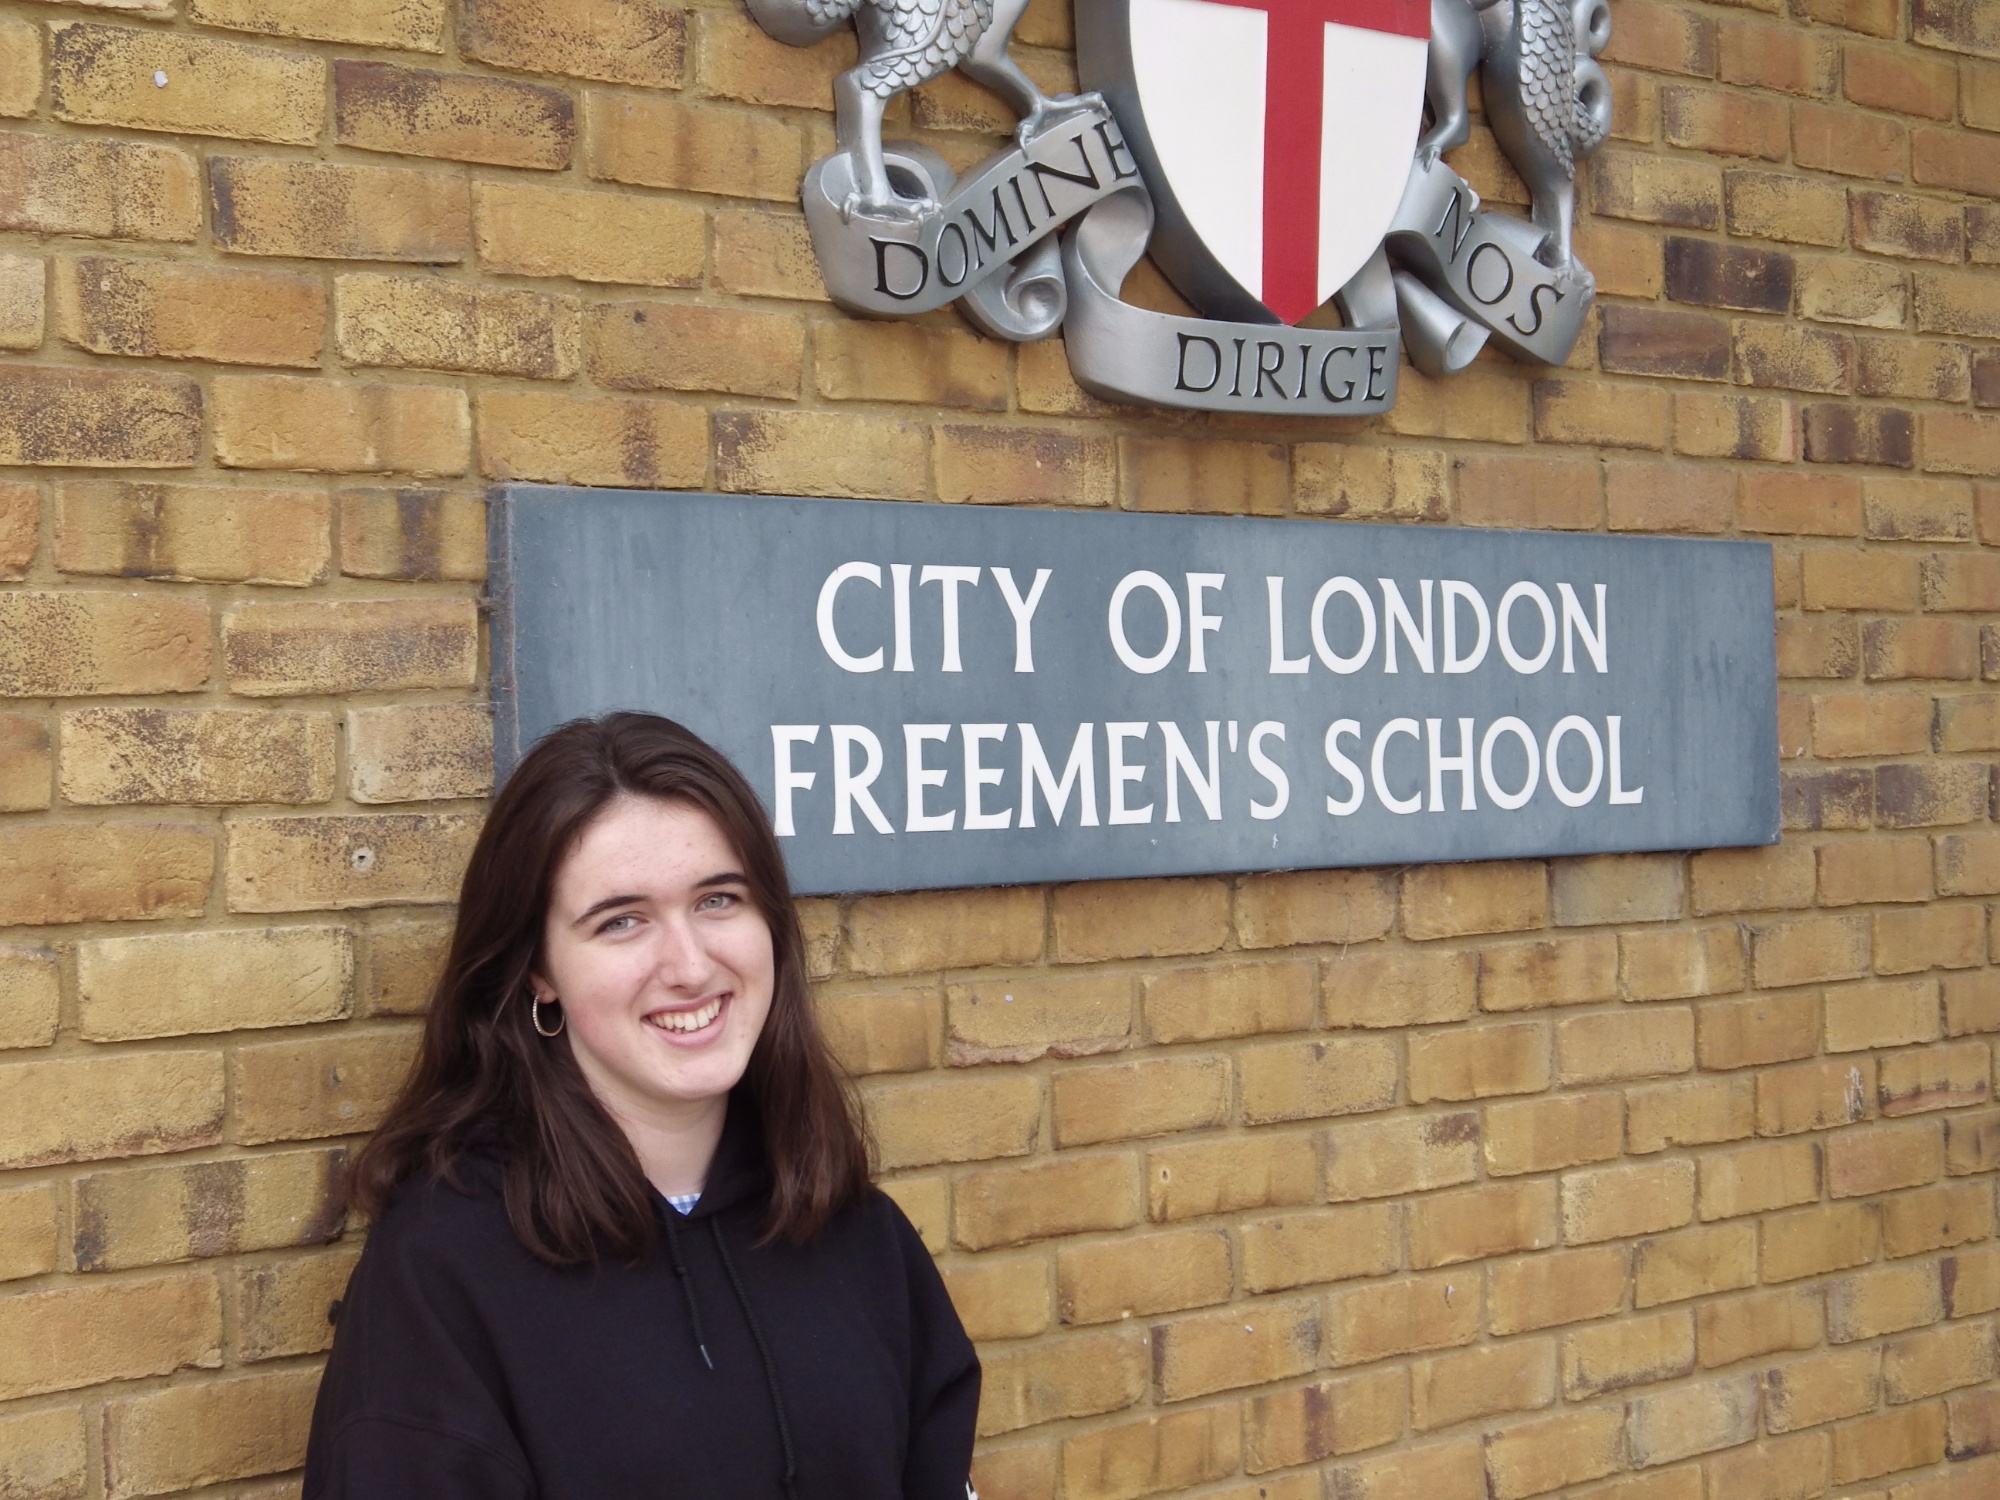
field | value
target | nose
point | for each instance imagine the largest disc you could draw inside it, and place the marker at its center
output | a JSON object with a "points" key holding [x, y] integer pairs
{"points": [[682, 960]]}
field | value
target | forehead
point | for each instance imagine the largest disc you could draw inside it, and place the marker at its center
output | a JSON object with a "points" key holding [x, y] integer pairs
{"points": [[643, 845]]}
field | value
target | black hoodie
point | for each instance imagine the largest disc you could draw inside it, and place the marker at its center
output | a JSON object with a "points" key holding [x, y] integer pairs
{"points": [[465, 1369]]}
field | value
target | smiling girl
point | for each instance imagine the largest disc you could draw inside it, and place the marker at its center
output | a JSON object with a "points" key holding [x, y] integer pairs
{"points": [[624, 1241]]}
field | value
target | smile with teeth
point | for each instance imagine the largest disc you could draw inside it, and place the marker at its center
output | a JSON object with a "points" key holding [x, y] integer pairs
{"points": [[687, 1020]]}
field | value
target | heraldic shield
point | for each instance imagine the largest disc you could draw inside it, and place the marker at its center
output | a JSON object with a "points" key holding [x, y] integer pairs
{"points": [[1282, 161], [1275, 136]]}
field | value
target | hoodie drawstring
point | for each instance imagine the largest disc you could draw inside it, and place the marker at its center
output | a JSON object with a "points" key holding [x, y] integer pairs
{"points": [[687, 1288], [763, 1353]]}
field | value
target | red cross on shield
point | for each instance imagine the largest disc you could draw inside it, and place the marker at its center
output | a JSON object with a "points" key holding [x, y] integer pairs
{"points": [[1281, 132]]}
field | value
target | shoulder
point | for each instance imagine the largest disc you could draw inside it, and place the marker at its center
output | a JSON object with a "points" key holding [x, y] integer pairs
{"points": [[437, 1222]]}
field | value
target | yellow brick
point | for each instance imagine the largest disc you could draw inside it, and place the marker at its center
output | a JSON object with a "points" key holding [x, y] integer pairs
{"points": [[334, 863], [192, 533], [1556, 1287], [42, 1454], [1792, 1466], [965, 1119], [419, 752], [108, 75], [1935, 1078], [1336, 479], [1454, 900], [417, 25], [273, 650], [1210, 1177], [582, 440], [20, 528], [1477, 1223], [739, 60], [1777, 878], [1137, 1276], [925, 1202], [1545, 1455], [1554, 971], [1932, 1218], [618, 41], [820, 453], [126, 190], [1628, 1352], [1012, 1205], [861, 361], [282, 1305], [1610, 1047], [1305, 1249], [523, 229], [112, 419], [892, 1032], [1604, 1203], [114, 872], [1162, 1453], [1868, 1304], [1047, 1381], [1307, 1423], [1444, 1471], [189, 982], [1519, 1376], [1242, 999], [1824, 1388], [763, 253], [79, 1335], [30, 996], [1860, 1016], [80, 643], [1739, 1328], [1904, 1439], [1692, 1419], [404, 961], [657, 142], [1385, 1318], [165, 310], [20, 69], [669, 346], [1680, 965], [926, 930], [1936, 1361], [1314, 906], [1542, 1135], [1479, 1062], [988, 465], [27, 1237], [330, 211], [1399, 987], [1139, 919], [417, 112], [1811, 950], [339, 427], [1691, 1112], [128, 755], [202, 1434], [1674, 1267], [1814, 1096], [1876, 1159], [1123, 1101], [1816, 1240], [1025, 1018], [1000, 1299], [1203, 475], [126, 1218], [1752, 1179], [412, 533], [1209, 1352], [303, 1090], [1395, 1156], [1311, 1080], [418, 322], [1762, 1029]]}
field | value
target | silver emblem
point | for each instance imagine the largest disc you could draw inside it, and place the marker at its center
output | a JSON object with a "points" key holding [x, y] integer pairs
{"points": [[1271, 154]]}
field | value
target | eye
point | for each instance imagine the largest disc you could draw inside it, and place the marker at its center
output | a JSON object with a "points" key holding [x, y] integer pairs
{"points": [[624, 922], [717, 901]]}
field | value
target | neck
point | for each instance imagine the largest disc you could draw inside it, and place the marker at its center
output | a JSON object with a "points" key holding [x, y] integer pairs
{"points": [[675, 1147]]}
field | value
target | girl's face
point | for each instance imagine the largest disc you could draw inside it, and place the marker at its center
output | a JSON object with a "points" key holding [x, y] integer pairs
{"points": [[663, 965]]}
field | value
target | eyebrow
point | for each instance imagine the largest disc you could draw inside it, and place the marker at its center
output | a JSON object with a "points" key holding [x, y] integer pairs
{"points": [[724, 877]]}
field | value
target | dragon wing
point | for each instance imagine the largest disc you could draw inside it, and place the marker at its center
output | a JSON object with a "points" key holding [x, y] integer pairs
{"points": [[1548, 77]]}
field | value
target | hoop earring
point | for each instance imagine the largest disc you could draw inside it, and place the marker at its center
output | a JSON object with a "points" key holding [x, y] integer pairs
{"points": [[535, 1004]]}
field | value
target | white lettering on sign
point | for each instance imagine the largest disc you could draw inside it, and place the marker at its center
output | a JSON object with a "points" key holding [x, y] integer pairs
{"points": [[1004, 777]]}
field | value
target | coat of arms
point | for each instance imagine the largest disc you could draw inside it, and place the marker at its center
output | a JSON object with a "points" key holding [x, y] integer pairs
{"points": [[1282, 159]]}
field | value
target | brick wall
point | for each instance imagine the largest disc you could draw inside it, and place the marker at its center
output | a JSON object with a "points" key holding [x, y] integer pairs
{"points": [[1662, 1178]]}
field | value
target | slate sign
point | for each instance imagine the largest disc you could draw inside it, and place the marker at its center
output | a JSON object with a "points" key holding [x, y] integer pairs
{"points": [[930, 695]]}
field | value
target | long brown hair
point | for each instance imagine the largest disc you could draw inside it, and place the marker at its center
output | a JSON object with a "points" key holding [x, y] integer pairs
{"points": [[573, 1185]]}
